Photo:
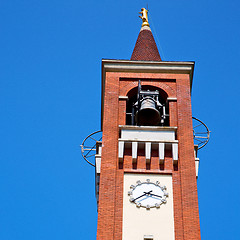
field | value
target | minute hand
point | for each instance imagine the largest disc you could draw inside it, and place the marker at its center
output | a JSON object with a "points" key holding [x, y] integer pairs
{"points": [[145, 193]]}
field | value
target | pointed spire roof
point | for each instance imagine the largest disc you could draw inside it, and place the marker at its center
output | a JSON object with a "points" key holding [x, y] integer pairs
{"points": [[145, 48]]}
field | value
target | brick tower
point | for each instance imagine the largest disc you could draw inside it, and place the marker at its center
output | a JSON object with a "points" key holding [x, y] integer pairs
{"points": [[145, 164]]}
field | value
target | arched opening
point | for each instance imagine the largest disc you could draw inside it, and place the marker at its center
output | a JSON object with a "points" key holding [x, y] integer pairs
{"points": [[147, 106]]}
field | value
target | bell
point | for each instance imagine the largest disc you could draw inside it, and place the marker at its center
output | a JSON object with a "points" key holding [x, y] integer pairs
{"points": [[148, 115]]}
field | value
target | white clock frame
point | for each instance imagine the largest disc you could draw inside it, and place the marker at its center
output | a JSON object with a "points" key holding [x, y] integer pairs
{"points": [[148, 199]]}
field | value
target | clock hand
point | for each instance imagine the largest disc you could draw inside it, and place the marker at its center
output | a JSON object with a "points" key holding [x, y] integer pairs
{"points": [[139, 197], [148, 192], [155, 195], [145, 193]]}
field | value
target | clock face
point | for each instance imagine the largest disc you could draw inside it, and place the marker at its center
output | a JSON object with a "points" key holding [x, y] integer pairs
{"points": [[148, 194]]}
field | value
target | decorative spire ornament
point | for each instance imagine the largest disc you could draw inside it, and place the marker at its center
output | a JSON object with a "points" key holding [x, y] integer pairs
{"points": [[144, 17], [145, 48]]}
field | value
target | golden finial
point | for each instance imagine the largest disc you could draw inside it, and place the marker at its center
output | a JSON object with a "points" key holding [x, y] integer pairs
{"points": [[144, 17]]}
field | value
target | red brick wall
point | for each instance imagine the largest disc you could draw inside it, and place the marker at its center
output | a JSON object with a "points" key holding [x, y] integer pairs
{"points": [[110, 209], [107, 188], [189, 196]]}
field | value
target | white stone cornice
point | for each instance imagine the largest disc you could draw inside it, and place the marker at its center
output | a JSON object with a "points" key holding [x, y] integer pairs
{"points": [[152, 128], [171, 99], [123, 98], [148, 138], [147, 66]]}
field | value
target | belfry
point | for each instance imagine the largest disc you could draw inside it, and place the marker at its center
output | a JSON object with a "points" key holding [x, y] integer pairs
{"points": [[146, 161]]}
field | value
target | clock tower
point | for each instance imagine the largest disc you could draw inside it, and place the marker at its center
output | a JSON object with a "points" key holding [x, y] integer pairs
{"points": [[146, 163]]}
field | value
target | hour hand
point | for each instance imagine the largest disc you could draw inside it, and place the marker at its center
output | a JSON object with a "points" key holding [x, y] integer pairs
{"points": [[155, 195]]}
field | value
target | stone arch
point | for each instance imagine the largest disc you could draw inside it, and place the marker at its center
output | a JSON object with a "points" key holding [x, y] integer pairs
{"points": [[163, 86]]}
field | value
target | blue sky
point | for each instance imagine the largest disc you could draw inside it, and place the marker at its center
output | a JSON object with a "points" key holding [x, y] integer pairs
{"points": [[50, 61]]}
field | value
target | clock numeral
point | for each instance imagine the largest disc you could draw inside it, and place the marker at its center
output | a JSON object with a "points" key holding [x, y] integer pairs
{"points": [[157, 205], [166, 194], [139, 205], [164, 201]]}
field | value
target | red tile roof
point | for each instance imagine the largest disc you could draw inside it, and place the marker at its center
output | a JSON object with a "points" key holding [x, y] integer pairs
{"points": [[145, 48]]}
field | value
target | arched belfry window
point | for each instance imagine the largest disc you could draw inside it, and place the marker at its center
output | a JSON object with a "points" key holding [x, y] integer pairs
{"points": [[147, 106]]}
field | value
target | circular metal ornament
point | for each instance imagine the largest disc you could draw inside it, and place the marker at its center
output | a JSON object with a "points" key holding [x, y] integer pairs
{"points": [[89, 145], [201, 133]]}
